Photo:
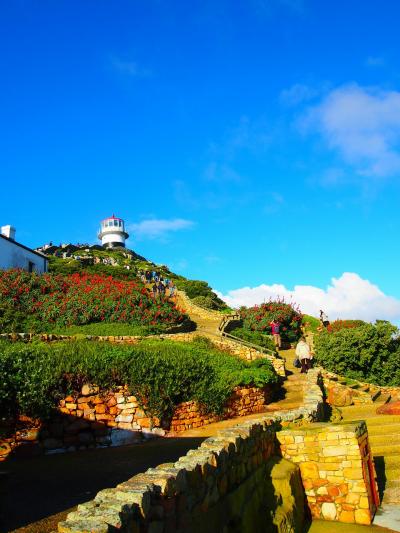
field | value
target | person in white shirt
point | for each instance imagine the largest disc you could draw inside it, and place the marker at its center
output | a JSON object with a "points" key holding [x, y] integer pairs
{"points": [[323, 318], [303, 352]]}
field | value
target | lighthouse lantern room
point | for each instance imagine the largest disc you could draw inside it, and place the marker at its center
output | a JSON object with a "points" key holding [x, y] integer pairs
{"points": [[112, 232]]}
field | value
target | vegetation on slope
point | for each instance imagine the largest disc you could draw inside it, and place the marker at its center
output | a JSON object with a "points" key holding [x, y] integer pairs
{"points": [[126, 265], [259, 317], [369, 352], [161, 374], [30, 302]]}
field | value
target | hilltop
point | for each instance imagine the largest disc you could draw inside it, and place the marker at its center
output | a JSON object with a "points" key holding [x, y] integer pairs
{"points": [[122, 263]]}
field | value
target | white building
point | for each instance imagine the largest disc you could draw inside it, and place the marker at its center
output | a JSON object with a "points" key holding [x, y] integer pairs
{"points": [[112, 232], [15, 255]]}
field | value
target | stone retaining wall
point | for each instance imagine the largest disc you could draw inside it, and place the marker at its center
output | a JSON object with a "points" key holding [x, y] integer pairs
{"points": [[94, 419], [244, 401], [337, 470], [341, 394], [226, 484]]}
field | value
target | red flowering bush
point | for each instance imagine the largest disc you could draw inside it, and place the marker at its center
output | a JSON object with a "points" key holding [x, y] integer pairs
{"points": [[75, 299], [337, 325], [259, 317]]}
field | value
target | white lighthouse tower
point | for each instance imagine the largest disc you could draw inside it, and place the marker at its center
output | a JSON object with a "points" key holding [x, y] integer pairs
{"points": [[112, 232]]}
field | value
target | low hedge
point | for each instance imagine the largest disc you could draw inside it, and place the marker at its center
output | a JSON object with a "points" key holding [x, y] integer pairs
{"points": [[161, 374]]}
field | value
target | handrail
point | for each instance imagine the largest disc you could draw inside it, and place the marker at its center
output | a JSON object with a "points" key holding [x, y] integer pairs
{"points": [[237, 316], [251, 345]]}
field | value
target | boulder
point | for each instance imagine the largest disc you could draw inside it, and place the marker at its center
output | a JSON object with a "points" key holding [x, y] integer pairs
{"points": [[339, 396], [391, 408]]}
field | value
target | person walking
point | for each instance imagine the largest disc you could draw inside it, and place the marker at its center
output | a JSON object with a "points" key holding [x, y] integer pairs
{"points": [[275, 328], [323, 317], [155, 290], [303, 353]]}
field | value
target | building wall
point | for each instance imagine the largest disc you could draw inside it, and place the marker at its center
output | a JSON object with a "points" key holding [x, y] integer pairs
{"points": [[14, 256]]}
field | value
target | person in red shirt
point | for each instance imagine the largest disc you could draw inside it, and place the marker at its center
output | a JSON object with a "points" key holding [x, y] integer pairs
{"points": [[275, 328]]}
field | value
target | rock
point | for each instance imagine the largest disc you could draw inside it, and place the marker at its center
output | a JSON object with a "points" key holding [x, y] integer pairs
{"points": [[339, 396], [391, 408], [120, 437], [85, 437], [89, 389], [28, 434], [329, 511]]}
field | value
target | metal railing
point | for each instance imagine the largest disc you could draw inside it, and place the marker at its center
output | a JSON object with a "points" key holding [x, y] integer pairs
{"points": [[225, 321]]}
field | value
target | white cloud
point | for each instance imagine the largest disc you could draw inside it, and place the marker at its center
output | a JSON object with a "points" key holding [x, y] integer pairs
{"points": [[349, 296], [157, 227], [363, 125]]}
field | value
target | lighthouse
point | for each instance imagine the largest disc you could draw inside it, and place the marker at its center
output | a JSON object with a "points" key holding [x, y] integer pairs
{"points": [[112, 232]]}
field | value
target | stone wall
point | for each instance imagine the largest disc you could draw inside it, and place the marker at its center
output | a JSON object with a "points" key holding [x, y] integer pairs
{"points": [[337, 470], [233, 482], [94, 419], [341, 393], [244, 401]]}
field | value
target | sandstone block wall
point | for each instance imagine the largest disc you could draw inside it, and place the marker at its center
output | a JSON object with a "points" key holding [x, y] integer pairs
{"points": [[97, 419], [337, 470], [244, 401]]}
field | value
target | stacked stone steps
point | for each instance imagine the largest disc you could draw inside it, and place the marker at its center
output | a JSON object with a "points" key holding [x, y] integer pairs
{"points": [[384, 437], [293, 386], [374, 392]]}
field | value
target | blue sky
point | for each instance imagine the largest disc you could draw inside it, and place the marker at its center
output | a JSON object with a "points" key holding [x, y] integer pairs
{"points": [[248, 143]]}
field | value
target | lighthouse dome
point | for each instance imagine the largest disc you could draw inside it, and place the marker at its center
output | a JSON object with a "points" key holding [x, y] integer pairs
{"points": [[112, 232]]}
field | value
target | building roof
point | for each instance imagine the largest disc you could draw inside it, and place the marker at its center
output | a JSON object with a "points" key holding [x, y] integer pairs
{"points": [[24, 247], [112, 218]]}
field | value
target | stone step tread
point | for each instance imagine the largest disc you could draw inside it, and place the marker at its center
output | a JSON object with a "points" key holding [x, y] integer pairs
{"points": [[385, 449], [383, 429], [384, 438], [390, 474], [390, 461]]}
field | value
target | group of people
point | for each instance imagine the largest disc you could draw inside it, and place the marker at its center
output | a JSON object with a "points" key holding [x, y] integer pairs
{"points": [[304, 354], [159, 284], [160, 288]]}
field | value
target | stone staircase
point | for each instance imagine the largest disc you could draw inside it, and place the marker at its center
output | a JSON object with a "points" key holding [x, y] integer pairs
{"points": [[292, 387], [384, 438]]}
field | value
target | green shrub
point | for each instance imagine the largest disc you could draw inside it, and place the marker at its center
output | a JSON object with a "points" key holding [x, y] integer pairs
{"points": [[370, 352], [207, 302], [160, 373], [201, 293]]}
